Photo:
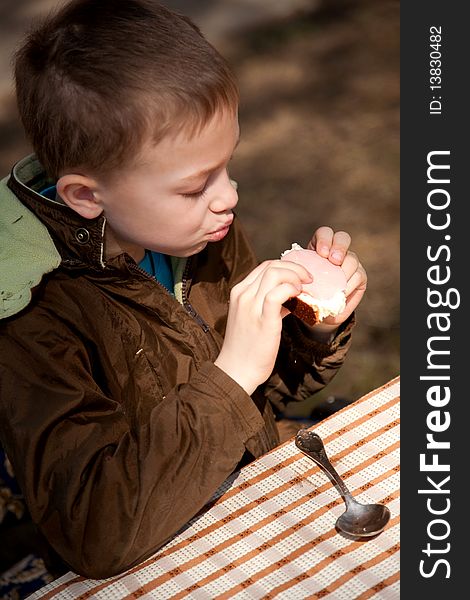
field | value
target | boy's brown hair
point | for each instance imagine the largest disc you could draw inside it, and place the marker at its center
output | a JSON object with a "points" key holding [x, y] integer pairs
{"points": [[99, 78]]}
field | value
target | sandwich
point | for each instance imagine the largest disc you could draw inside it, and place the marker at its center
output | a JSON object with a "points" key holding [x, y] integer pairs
{"points": [[325, 296]]}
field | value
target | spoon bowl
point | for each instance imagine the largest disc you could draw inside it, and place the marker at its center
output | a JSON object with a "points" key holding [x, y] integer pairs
{"points": [[363, 520], [358, 520]]}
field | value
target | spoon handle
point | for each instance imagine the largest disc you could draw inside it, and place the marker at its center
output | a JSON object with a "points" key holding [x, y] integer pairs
{"points": [[312, 446]]}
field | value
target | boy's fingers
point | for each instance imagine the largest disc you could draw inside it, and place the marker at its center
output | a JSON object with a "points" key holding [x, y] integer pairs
{"points": [[253, 275], [350, 264], [274, 299], [275, 270], [321, 241], [274, 278], [282, 272], [339, 247], [305, 276], [331, 245], [357, 281]]}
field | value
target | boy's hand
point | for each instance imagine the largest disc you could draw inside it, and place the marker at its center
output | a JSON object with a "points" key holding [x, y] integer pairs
{"points": [[254, 322], [335, 247]]}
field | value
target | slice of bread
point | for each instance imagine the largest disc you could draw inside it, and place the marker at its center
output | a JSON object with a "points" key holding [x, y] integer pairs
{"points": [[307, 312]]}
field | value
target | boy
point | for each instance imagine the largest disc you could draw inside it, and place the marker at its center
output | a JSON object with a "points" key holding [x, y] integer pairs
{"points": [[143, 347]]}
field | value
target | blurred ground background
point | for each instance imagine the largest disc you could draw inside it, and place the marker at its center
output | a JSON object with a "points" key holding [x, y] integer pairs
{"points": [[319, 117]]}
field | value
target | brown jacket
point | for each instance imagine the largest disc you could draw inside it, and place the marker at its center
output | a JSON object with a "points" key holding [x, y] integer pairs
{"points": [[117, 422]]}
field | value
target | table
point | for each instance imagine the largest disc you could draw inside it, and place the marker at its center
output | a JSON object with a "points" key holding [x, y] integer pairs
{"points": [[269, 531]]}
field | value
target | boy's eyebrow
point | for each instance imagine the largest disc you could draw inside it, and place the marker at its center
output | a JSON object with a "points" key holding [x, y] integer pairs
{"points": [[206, 171]]}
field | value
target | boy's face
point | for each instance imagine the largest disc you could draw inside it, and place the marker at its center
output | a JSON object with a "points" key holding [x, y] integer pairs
{"points": [[179, 197]]}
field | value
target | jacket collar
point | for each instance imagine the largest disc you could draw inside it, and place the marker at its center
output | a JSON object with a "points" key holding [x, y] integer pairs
{"points": [[79, 241]]}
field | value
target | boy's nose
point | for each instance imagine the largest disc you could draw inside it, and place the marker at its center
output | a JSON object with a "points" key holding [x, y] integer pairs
{"points": [[226, 196]]}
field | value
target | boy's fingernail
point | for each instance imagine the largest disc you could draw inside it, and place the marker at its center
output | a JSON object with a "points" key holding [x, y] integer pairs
{"points": [[337, 255], [324, 250]]}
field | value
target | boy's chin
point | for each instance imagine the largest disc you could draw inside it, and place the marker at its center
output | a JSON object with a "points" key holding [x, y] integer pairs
{"points": [[190, 251]]}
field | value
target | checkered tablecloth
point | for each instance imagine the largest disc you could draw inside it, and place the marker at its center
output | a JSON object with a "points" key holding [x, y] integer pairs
{"points": [[269, 532]]}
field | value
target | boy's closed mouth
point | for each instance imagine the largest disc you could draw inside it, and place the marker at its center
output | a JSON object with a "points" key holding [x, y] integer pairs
{"points": [[221, 232]]}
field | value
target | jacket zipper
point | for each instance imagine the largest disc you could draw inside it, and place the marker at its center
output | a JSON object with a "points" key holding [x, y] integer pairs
{"points": [[187, 305], [138, 269]]}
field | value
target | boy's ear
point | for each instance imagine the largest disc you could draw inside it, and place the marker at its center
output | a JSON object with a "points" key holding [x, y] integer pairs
{"points": [[78, 192]]}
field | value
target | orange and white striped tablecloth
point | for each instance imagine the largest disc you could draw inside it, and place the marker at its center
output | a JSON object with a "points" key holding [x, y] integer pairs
{"points": [[269, 532]]}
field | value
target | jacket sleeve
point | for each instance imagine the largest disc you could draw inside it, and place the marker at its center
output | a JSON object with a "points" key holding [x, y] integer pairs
{"points": [[107, 492], [305, 366]]}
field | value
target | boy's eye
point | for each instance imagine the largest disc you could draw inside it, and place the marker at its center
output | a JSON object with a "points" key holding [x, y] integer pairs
{"points": [[197, 194]]}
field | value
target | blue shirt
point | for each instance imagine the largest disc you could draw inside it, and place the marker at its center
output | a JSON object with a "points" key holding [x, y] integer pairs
{"points": [[158, 265], [49, 192]]}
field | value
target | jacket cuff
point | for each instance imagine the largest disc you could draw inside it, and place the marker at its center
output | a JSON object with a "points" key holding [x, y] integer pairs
{"points": [[302, 337], [249, 419]]}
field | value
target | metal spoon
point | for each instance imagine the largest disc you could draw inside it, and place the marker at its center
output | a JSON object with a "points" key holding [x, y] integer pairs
{"points": [[358, 520]]}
